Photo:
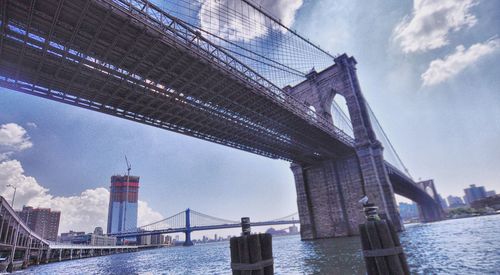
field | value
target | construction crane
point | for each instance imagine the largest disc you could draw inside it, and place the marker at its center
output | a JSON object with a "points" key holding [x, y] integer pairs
{"points": [[129, 167]]}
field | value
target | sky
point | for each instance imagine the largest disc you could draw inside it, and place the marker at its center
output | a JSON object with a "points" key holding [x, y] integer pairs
{"points": [[429, 70]]}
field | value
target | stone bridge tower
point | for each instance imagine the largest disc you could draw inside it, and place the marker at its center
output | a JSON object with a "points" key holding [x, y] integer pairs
{"points": [[328, 191], [430, 210]]}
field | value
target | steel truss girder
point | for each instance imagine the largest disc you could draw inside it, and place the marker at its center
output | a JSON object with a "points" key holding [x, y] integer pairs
{"points": [[185, 85]]}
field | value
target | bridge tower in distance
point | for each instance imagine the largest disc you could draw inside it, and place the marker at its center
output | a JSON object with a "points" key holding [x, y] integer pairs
{"points": [[328, 190], [188, 241], [430, 211]]}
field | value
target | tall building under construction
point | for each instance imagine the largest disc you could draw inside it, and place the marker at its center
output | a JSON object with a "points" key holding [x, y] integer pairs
{"points": [[122, 211]]}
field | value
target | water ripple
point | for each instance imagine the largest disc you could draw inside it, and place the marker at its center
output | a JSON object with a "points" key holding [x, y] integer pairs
{"points": [[467, 246]]}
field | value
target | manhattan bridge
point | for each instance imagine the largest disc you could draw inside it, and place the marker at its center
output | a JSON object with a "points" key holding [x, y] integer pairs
{"points": [[225, 71]]}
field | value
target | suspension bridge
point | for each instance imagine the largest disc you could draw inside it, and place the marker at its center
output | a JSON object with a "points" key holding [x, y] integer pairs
{"points": [[189, 220], [227, 72]]}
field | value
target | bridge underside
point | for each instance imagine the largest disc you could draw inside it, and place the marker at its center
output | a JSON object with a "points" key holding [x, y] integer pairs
{"points": [[99, 56], [143, 65], [429, 208]]}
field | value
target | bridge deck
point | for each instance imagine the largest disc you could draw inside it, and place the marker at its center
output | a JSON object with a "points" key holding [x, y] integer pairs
{"points": [[198, 228], [117, 58], [406, 187]]}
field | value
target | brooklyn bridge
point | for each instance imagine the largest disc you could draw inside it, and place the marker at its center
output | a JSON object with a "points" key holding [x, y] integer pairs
{"points": [[247, 82]]}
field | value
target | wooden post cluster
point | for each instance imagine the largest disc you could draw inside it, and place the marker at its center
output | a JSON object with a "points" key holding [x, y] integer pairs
{"points": [[381, 246], [251, 254]]}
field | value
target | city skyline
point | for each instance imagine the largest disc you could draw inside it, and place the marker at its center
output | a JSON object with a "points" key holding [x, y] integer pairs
{"points": [[70, 145]]}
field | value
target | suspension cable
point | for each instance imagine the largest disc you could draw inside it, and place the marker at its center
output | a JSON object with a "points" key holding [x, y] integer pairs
{"points": [[171, 217], [260, 9], [388, 141]]}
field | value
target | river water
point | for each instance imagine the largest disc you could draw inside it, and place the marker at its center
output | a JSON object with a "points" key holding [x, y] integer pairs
{"points": [[465, 246]]}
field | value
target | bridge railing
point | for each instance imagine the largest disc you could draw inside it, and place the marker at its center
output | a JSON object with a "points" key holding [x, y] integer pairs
{"points": [[57, 245], [167, 23]]}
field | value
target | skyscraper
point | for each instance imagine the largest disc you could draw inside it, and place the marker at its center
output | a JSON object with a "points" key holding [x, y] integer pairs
{"points": [[41, 220], [122, 211], [474, 193], [455, 202]]}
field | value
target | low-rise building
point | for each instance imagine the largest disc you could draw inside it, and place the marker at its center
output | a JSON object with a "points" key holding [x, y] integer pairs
{"points": [[293, 229], [144, 240], [490, 202], [68, 237], [102, 240], [157, 239], [169, 240], [95, 239], [99, 239]]}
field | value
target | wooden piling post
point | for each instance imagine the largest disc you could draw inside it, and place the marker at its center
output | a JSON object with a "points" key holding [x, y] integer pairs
{"points": [[393, 261], [255, 253], [235, 258], [266, 246], [381, 246], [251, 254], [371, 266], [244, 254], [397, 242]]}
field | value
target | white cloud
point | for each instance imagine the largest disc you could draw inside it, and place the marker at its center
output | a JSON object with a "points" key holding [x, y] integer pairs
{"points": [[80, 212], [146, 214], [442, 69], [431, 22], [13, 138], [283, 10], [32, 125], [12, 172], [240, 27]]}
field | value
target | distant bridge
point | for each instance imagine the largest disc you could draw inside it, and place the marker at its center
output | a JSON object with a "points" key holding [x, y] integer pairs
{"points": [[189, 220]]}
